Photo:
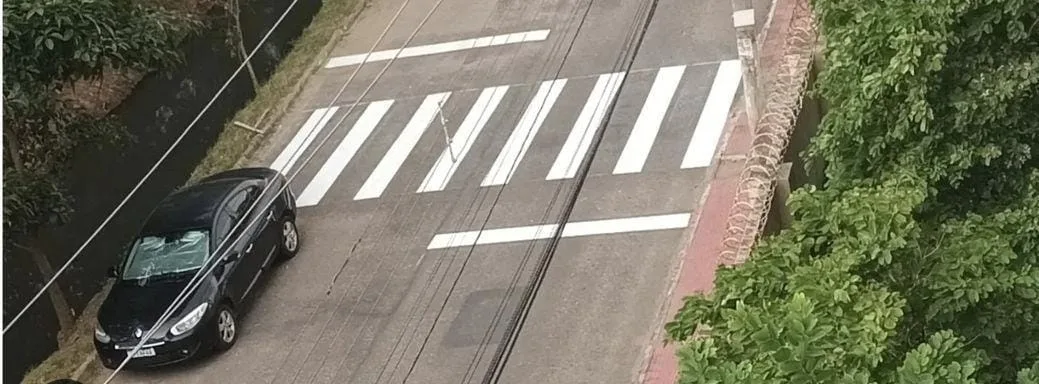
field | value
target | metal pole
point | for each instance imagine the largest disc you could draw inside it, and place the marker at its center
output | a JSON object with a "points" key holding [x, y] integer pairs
{"points": [[743, 20], [447, 136]]}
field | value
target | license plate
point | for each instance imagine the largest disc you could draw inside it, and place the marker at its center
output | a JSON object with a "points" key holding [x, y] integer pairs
{"points": [[145, 352]]}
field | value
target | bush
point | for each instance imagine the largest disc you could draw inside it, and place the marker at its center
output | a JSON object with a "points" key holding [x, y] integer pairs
{"points": [[918, 262], [51, 43]]}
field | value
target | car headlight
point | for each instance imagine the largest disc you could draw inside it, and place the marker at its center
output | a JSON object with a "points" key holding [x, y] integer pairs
{"points": [[100, 335], [190, 320]]}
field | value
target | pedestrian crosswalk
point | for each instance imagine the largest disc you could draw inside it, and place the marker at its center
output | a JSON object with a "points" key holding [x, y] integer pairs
{"points": [[641, 139], [554, 108], [394, 159], [577, 144], [345, 152], [460, 144], [519, 141]]}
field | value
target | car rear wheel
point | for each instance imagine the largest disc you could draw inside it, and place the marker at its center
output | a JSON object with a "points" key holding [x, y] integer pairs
{"points": [[225, 328], [289, 238]]}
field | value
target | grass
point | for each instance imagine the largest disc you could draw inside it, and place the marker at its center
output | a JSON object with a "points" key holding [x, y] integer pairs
{"points": [[275, 96], [76, 356], [76, 351]]}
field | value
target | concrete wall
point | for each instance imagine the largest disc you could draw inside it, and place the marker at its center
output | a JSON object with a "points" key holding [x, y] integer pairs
{"points": [[798, 172]]}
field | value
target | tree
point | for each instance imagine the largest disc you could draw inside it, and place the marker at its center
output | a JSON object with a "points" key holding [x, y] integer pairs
{"points": [[857, 289], [918, 262], [47, 45], [947, 87]]}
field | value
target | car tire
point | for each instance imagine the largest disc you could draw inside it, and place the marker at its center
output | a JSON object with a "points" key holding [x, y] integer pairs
{"points": [[223, 337], [289, 240]]}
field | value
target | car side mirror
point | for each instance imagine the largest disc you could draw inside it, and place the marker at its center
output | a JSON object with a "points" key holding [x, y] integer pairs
{"points": [[113, 272]]}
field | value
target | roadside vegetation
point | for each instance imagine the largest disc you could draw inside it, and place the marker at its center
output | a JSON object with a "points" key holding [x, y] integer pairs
{"points": [[918, 260], [274, 97], [68, 63], [50, 47]]}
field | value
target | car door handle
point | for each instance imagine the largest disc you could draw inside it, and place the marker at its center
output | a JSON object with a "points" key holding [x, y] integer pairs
{"points": [[249, 248], [270, 215]]}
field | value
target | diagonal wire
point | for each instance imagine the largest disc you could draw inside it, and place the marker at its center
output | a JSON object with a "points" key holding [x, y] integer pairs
{"points": [[465, 260], [148, 174], [515, 326], [196, 281], [343, 297]]}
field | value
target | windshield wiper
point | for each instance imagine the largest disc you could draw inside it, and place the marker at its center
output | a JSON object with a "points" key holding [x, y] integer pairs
{"points": [[163, 276], [174, 274]]}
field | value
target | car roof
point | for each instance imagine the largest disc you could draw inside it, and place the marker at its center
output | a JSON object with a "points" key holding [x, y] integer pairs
{"points": [[192, 207], [242, 173]]}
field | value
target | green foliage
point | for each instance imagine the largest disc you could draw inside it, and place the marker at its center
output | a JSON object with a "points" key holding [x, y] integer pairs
{"points": [[60, 40], [1029, 375], [918, 262], [944, 358], [947, 88], [47, 45]]}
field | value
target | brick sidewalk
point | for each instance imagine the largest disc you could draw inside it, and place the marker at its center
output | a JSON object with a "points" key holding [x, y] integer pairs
{"points": [[700, 257]]}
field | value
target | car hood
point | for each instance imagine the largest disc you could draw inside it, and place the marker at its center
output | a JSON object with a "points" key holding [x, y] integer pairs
{"points": [[131, 306]]}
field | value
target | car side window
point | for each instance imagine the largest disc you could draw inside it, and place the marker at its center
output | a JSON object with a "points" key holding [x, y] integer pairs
{"points": [[238, 204], [231, 212], [224, 223]]}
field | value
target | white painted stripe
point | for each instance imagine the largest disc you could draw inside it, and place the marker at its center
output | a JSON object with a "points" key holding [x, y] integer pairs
{"points": [[493, 236], [343, 153], [713, 116], [463, 139], [518, 143], [432, 49], [629, 224], [642, 136], [299, 143], [573, 229], [576, 145], [401, 148]]}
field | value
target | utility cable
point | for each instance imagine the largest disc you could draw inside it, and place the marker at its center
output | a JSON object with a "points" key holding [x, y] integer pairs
{"points": [[148, 174], [396, 206], [488, 334], [453, 258], [196, 281], [515, 326]]}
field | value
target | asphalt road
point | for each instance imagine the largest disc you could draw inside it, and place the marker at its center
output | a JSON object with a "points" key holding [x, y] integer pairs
{"points": [[415, 303]]}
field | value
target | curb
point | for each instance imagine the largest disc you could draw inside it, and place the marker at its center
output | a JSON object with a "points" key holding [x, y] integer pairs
{"points": [[699, 257], [285, 104]]}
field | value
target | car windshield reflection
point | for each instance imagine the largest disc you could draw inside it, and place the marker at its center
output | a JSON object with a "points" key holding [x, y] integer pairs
{"points": [[167, 255]]}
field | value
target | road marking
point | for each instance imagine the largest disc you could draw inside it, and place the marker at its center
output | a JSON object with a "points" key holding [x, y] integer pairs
{"points": [[642, 136], [463, 139], [576, 145], [343, 153], [401, 148], [299, 143], [713, 116], [432, 49], [572, 229], [521, 138]]}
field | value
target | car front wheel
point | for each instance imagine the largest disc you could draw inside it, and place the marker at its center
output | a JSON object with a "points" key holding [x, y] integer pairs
{"points": [[289, 238], [226, 328]]}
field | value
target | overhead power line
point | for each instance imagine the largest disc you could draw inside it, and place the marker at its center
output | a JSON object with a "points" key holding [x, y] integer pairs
{"points": [[148, 174], [196, 280]]}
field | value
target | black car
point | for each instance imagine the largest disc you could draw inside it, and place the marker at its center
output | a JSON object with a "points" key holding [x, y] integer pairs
{"points": [[179, 239]]}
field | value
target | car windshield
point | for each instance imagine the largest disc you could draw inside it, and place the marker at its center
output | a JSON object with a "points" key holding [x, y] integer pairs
{"points": [[167, 254]]}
